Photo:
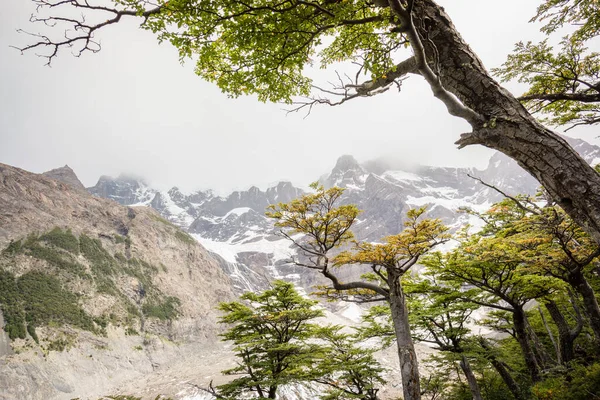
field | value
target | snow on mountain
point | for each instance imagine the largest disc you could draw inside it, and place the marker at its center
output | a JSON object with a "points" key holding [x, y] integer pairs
{"points": [[178, 207], [235, 227], [124, 190]]}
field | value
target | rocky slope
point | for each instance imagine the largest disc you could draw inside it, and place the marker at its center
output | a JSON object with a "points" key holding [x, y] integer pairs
{"points": [[96, 295], [65, 174]]}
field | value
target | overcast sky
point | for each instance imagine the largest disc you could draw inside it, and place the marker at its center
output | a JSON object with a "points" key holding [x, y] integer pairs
{"points": [[134, 108]]}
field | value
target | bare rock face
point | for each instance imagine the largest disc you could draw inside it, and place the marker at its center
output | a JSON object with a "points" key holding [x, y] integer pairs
{"points": [[144, 290], [65, 174]]}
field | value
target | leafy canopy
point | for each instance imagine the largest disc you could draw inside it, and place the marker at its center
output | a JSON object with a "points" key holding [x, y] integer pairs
{"points": [[348, 369], [263, 47], [564, 82], [318, 217], [278, 343], [270, 332]]}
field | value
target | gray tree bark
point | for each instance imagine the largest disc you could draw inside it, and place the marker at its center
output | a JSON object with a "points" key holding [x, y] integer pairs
{"points": [[557, 347], [520, 324], [590, 304], [409, 367], [508, 127], [468, 371], [566, 335]]}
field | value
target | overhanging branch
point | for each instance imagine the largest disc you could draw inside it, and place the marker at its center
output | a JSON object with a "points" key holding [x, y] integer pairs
{"points": [[582, 97], [453, 105], [350, 88]]}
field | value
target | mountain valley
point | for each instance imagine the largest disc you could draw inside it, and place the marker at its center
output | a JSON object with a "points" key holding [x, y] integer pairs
{"points": [[140, 271]]}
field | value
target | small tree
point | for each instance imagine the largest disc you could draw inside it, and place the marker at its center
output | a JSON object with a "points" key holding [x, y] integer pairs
{"points": [[277, 344], [494, 269], [270, 335], [549, 243], [440, 317], [349, 370]]}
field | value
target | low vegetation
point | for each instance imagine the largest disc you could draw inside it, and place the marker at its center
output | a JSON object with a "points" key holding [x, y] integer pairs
{"points": [[35, 299], [180, 235], [163, 309], [50, 293]]}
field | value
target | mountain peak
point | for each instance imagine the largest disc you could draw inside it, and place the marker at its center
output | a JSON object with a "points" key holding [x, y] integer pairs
{"points": [[125, 189], [66, 175], [347, 171], [346, 163]]}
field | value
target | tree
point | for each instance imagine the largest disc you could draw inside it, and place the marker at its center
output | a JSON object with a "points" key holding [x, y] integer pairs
{"points": [[278, 343], [494, 268], [263, 48], [549, 243], [563, 84], [271, 336], [317, 226], [349, 370], [439, 316]]}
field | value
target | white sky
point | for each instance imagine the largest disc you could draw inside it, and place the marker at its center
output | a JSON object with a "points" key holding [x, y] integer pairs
{"points": [[133, 108]]}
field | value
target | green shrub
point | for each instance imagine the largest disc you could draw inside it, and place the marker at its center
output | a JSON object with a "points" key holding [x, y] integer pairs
{"points": [[58, 345], [131, 332], [120, 258], [45, 300], [36, 299], [64, 240], [49, 247], [102, 264], [101, 321], [39, 299], [580, 382], [101, 261], [184, 237], [119, 239], [162, 220], [14, 247], [12, 307], [167, 309], [31, 331]]}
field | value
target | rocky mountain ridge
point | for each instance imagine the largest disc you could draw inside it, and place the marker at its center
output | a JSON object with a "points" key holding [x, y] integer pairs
{"points": [[97, 294], [235, 228], [67, 175]]}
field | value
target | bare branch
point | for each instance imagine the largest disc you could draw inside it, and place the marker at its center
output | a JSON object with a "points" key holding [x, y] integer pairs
{"points": [[349, 89], [337, 285], [79, 33], [536, 210]]}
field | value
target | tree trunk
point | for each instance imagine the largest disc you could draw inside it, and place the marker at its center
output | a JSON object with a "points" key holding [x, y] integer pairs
{"points": [[520, 322], [577, 280], [542, 356], [566, 336], [473, 385], [409, 367], [509, 381], [510, 129], [557, 346]]}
